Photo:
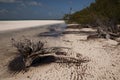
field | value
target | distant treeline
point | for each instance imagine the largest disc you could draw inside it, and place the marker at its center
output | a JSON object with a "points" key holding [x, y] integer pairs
{"points": [[102, 9]]}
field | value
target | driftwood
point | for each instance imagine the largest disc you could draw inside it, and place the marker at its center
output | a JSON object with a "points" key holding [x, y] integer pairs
{"points": [[35, 53], [30, 50], [107, 29]]}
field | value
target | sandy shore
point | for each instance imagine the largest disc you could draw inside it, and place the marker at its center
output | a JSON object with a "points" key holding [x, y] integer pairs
{"points": [[21, 24], [103, 54]]}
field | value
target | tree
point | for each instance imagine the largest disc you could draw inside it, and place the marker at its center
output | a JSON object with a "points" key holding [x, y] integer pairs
{"points": [[104, 9]]}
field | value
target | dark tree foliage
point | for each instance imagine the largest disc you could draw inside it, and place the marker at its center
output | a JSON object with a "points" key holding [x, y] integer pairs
{"points": [[103, 9]]}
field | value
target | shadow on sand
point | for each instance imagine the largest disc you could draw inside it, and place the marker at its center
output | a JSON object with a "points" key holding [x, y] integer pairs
{"points": [[43, 60], [50, 34], [79, 32], [18, 64], [58, 33], [54, 31]]}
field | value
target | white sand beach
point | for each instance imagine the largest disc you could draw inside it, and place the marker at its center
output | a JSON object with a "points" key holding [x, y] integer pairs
{"points": [[20, 24], [103, 55]]}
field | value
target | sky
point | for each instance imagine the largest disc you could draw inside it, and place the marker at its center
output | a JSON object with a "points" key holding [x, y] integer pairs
{"points": [[40, 9]]}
